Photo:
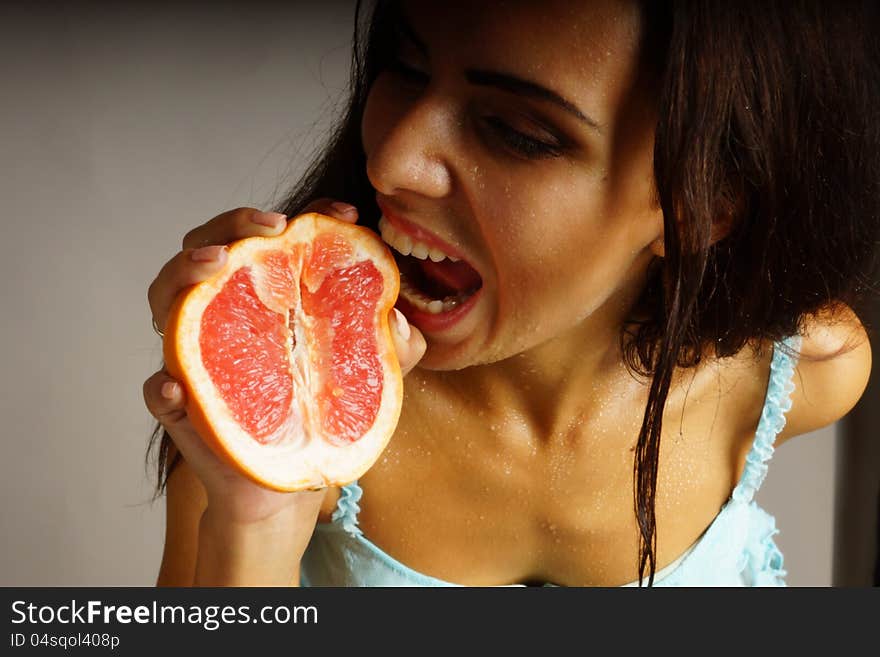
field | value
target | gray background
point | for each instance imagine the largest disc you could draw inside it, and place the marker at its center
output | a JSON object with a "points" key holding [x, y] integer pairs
{"points": [[121, 129]]}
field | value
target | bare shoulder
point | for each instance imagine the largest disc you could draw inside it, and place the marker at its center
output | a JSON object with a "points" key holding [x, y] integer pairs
{"points": [[832, 371]]}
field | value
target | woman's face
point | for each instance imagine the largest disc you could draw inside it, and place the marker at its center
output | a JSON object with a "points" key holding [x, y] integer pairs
{"points": [[520, 134]]}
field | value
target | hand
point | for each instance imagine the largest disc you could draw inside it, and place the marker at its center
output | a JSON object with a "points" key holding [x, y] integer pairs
{"points": [[203, 254]]}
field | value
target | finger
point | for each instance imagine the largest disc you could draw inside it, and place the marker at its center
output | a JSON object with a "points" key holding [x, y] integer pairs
{"points": [[165, 399], [409, 342], [235, 225], [337, 209], [188, 267]]}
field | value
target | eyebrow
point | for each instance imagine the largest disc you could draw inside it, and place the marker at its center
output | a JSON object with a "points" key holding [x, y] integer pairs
{"points": [[503, 81]]}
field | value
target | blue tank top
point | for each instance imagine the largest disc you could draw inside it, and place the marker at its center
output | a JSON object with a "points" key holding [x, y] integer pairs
{"points": [[737, 549]]}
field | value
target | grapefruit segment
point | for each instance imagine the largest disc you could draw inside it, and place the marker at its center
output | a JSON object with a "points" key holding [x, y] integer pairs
{"points": [[287, 357], [351, 384], [245, 352], [276, 285]]}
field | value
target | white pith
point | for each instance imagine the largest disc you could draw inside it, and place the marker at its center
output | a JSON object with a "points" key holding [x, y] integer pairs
{"points": [[297, 455], [406, 245]]}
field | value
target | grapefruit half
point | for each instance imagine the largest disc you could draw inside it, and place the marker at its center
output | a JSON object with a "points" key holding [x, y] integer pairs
{"points": [[286, 354]]}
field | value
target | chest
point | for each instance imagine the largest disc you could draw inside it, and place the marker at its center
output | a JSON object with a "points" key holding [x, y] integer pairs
{"points": [[487, 499]]}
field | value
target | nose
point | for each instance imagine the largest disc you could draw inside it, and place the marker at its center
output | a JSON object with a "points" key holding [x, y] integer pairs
{"points": [[408, 148]]}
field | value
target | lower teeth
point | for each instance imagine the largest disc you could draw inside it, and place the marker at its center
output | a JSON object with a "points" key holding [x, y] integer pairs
{"points": [[425, 303]]}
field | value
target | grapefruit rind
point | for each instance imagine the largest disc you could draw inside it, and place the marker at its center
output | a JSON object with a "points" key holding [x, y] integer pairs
{"points": [[298, 457]]}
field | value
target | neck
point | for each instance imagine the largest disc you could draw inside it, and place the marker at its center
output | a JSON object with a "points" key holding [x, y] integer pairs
{"points": [[571, 375]]}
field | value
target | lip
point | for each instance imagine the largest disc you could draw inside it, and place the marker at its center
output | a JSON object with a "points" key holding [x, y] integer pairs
{"points": [[418, 233], [431, 323]]}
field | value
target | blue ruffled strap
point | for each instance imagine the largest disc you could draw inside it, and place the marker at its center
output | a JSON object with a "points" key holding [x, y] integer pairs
{"points": [[761, 562], [347, 508], [776, 405]]}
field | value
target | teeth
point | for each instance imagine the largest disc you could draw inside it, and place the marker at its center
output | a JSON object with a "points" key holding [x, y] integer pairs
{"points": [[404, 244], [424, 302]]}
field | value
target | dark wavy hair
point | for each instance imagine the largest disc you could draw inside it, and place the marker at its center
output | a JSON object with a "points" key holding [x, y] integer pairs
{"points": [[768, 118]]}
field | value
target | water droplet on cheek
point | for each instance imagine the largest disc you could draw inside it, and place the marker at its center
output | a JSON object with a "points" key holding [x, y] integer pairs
{"points": [[477, 176]]}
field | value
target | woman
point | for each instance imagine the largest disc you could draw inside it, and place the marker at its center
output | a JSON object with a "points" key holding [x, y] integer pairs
{"points": [[662, 215]]}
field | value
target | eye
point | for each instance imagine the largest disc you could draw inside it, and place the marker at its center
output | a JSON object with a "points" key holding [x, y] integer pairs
{"points": [[408, 72], [523, 144]]}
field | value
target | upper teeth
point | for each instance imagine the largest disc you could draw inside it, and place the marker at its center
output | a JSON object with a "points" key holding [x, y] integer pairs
{"points": [[406, 245]]}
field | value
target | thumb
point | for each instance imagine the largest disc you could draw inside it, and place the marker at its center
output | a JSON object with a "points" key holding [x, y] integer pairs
{"points": [[408, 340], [336, 209]]}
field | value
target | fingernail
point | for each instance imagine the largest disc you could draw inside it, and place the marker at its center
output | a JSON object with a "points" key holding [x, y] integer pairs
{"points": [[208, 253], [343, 208], [270, 219], [402, 324], [169, 389]]}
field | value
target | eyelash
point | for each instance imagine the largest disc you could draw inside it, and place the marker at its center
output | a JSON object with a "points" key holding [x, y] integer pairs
{"points": [[522, 144]]}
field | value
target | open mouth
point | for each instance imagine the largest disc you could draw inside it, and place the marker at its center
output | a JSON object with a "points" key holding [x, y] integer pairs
{"points": [[436, 287]]}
